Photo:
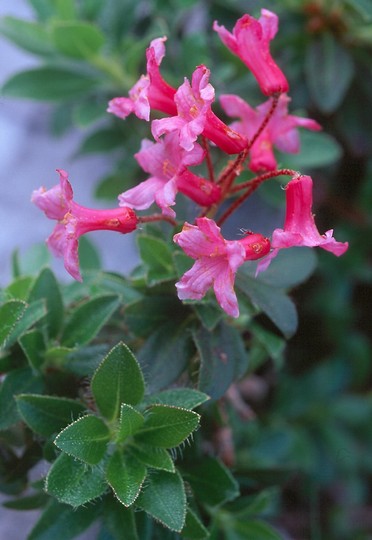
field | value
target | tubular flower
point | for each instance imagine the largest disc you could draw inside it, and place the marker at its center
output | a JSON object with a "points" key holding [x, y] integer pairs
{"points": [[281, 130], [151, 91], [194, 116], [299, 225], [75, 220], [217, 261], [167, 164], [250, 41]]}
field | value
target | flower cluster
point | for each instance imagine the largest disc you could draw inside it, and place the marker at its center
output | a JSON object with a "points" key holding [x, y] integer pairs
{"points": [[183, 139]]}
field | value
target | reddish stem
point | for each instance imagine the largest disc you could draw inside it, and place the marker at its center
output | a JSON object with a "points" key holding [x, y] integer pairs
{"points": [[232, 171], [157, 217], [208, 158], [265, 121], [262, 177], [251, 186]]}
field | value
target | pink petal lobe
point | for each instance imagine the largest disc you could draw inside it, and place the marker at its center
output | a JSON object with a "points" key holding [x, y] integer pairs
{"points": [[142, 196]]}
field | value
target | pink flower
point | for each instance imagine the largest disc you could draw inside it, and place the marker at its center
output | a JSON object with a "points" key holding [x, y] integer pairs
{"points": [[151, 91], [250, 41], [217, 261], [194, 116], [193, 102], [281, 130], [75, 220], [299, 225], [166, 162]]}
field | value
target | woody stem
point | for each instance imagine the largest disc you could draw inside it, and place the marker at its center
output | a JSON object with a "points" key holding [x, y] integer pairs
{"points": [[208, 158], [157, 217], [251, 186]]}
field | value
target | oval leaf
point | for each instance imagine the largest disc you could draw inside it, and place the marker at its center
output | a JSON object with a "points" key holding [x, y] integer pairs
{"points": [[125, 474], [118, 380], [167, 426], [130, 421], [46, 286], [164, 499], [10, 313], [329, 71], [77, 39], [86, 439], [72, 482], [87, 319], [48, 84], [48, 414]]}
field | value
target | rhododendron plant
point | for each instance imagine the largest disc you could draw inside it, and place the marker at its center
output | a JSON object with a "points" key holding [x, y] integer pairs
{"points": [[99, 379]]}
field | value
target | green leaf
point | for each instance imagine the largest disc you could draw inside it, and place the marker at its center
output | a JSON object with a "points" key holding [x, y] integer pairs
{"points": [[166, 353], [49, 84], [272, 301], [16, 382], [48, 414], [247, 530], [10, 313], [187, 398], [33, 345], [273, 344], [119, 521], [61, 522], [211, 481], [317, 150], [32, 314], [85, 439], [102, 140], [289, 268], [164, 499], [89, 257], [30, 262], [194, 528], [329, 71], [80, 40], [130, 422], [157, 258], [145, 316], [73, 482], [88, 112], [167, 426], [46, 286], [118, 380], [125, 474], [154, 457], [88, 318], [223, 358], [31, 502], [209, 314], [20, 287], [30, 36], [82, 362]]}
